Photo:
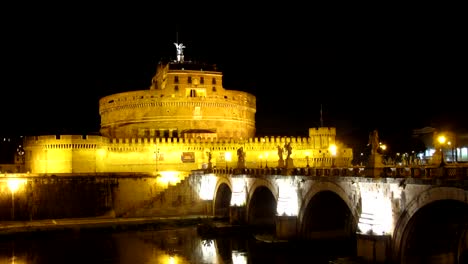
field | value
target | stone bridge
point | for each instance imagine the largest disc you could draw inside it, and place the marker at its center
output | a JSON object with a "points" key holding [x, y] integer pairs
{"points": [[404, 215]]}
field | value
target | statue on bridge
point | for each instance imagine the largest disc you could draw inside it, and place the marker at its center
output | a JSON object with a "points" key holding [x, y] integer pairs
{"points": [[288, 148], [210, 164], [375, 166], [289, 160], [240, 158], [374, 142], [280, 155]]}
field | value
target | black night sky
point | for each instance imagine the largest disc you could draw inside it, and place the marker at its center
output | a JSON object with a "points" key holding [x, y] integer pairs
{"points": [[388, 68]]}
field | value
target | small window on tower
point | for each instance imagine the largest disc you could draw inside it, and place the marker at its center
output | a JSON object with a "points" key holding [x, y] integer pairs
{"points": [[202, 80], [213, 81], [214, 89], [176, 79], [189, 79], [176, 88]]}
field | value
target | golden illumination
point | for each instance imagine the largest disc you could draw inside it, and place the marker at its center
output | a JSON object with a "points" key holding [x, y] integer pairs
{"points": [[167, 178], [15, 183], [332, 149], [441, 139], [171, 259], [227, 156], [101, 152]]}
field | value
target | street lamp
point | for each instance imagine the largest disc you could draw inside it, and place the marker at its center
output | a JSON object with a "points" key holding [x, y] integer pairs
{"points": [[13, 185], [227, 158], [383, 147], [452, 156], [441, 140]]}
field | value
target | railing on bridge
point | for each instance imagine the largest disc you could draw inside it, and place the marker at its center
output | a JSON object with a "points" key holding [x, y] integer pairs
{"points": [[427, 172]]}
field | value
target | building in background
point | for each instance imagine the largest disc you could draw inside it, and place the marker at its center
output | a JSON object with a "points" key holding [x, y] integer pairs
{"points": [[454, 147], [186, 120]]}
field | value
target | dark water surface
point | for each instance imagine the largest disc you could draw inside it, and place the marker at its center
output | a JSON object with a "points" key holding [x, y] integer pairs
{"points": [[173, 246]]}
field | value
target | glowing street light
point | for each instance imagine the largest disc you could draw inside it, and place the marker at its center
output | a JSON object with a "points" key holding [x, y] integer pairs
{"points": [[441, 139], [382, 146], [14, 185], [227, 158], [333, 150]]}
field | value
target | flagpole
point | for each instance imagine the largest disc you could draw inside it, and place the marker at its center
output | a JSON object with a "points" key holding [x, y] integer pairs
{"points": [[321, 116]]}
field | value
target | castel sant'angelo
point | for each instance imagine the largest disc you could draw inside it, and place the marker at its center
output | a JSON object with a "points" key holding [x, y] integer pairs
{"points": [[185, 121]]}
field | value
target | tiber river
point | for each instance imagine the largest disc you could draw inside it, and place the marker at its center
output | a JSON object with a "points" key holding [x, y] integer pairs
{"points": [[172, 246]]}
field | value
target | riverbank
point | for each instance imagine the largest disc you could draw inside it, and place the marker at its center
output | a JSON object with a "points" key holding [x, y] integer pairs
{"points": [[14, 228]]}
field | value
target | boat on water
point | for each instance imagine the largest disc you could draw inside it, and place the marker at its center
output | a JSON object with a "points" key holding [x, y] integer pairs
{"points": [[214, 229], [269, 238]]}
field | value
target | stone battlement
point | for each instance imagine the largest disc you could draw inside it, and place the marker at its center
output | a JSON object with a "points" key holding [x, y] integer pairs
{"points": [[90, 139], [92, 153]]}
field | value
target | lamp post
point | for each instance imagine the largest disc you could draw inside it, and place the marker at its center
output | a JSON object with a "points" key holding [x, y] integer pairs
{"points": [[441, 140], [452, 156], [13, 185], [227, 158], [383, 147], [307, 158]]}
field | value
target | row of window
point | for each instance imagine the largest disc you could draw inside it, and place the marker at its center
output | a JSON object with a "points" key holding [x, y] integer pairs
{"points": [[193, 92], [189, 80]]}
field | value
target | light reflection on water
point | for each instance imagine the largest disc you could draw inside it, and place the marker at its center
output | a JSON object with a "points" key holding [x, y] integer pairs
{"points": [[176, 246]]}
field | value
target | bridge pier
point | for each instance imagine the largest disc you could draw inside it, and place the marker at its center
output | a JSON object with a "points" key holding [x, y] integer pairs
{"points": [[286, 227], [237, 214], [372, 248]]}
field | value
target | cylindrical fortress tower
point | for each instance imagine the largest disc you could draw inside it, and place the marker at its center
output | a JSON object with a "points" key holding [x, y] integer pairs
{"points": [[185, 99]]}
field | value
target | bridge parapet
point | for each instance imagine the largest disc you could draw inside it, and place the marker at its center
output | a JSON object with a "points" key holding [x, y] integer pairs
{"points": [[378, 209], [425, 172]]}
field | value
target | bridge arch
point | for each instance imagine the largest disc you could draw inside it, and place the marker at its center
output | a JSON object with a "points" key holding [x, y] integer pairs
{"points": [[222, 197], [338, 213], [434, 222], [262, 203]]}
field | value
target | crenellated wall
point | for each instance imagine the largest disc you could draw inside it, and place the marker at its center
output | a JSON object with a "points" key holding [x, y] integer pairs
{"points": [[89, 154]]}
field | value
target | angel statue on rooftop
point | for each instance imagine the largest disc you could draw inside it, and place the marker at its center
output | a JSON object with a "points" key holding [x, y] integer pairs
{"points": [[180, 51]]}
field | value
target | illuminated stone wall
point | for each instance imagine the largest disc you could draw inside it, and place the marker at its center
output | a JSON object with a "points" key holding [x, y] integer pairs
{"points": [[89, 154], [175, 107], [121, 195]]}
